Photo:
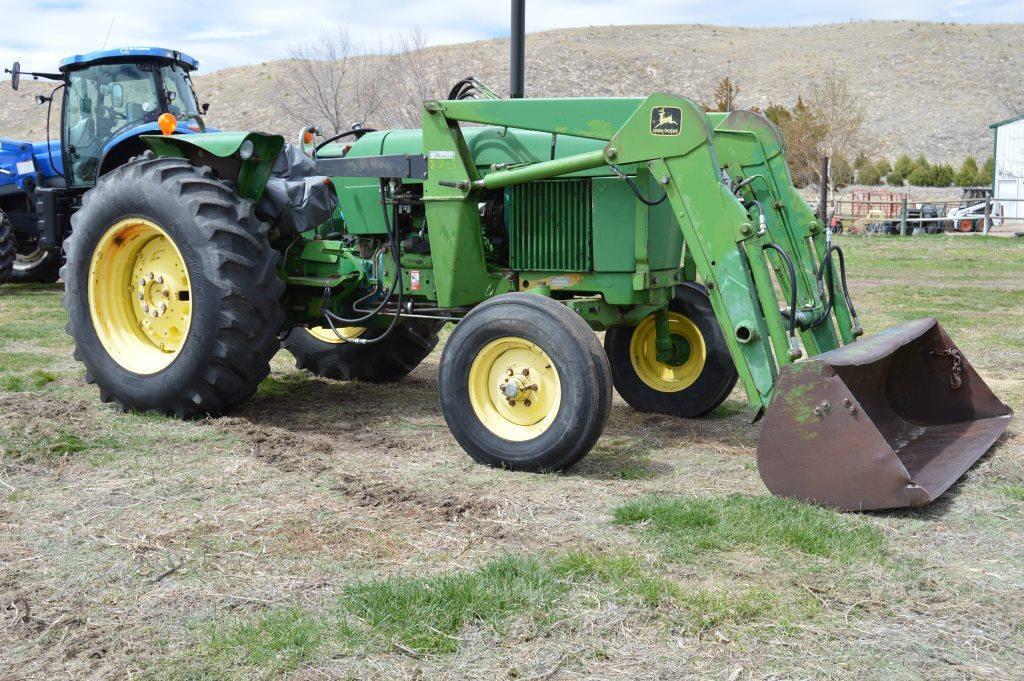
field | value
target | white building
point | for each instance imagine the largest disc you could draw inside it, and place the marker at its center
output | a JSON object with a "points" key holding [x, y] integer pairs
{"points": [[1009, 157]]}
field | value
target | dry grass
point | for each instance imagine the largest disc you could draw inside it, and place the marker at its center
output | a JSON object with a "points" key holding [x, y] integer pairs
{"points": [[335, 530]]}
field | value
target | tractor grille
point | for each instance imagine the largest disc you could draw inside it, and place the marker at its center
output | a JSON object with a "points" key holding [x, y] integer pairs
{"points": [[549, 226]]}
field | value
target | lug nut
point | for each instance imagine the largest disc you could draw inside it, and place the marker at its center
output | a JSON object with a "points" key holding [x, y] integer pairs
{"points": [[150, 276], [142, 282], [145, 308], [526, 371], [142, 296], [511, 403], [160, 279], [155, 313], [526, 403], [163, 308], [166, 293], [510, 372]]}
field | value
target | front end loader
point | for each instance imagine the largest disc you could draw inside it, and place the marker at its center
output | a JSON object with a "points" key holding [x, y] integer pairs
{"points": [[677, 233]]}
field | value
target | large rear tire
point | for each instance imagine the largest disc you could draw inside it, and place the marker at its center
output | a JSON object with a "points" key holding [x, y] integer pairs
{"points": [[6, 248], [524, 384], [322, 353], [688, 388], [171, 290]]}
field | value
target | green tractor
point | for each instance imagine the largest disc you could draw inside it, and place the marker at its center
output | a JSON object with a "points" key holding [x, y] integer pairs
{"points": [[677, 233]]}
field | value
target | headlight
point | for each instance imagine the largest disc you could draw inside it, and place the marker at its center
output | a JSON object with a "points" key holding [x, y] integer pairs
{"points": [[245, 151]]}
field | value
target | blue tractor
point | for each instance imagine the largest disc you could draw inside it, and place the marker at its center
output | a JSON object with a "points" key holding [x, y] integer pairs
{"points": [[109, 99]]}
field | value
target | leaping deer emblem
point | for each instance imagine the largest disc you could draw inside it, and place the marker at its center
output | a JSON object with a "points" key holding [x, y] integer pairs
{"points": [[665, 118]]}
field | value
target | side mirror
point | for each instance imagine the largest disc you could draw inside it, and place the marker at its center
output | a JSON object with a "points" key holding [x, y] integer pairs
{"points": [[116, 95], [15, 72], [205, 107]]}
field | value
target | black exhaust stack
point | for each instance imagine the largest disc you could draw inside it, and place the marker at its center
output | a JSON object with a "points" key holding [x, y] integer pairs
{"points": [[518, 39]]}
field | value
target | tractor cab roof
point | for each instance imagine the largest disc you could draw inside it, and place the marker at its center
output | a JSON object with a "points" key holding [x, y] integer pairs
{"points": [[81, 61]]}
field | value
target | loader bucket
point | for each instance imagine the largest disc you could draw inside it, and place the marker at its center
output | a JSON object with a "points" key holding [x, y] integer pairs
{"points": [[890, 421]]}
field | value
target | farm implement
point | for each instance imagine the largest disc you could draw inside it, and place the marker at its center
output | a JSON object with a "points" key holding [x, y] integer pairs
{"points": [[676, 232], [109, 100]]}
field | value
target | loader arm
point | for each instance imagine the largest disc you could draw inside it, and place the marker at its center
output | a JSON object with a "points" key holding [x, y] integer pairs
{"points": [[672, 139]]}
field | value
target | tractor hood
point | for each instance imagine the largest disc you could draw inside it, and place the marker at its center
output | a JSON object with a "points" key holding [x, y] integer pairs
{"points": [[22, 160]]}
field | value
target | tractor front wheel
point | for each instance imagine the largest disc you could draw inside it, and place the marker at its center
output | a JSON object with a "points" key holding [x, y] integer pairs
{"points": [[6, 247], [524, 384], [697, 380], [36, 267], [171, 290], [325, 353]]}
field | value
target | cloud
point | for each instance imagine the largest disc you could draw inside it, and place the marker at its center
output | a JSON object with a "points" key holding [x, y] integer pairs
{"points": [[234, 32]]}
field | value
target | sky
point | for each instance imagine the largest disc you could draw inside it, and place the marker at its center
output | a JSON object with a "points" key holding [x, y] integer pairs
{"points": [[228, 33]]}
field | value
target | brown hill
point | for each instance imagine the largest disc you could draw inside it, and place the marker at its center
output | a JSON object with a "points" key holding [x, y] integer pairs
{"points": [[926, 88]]}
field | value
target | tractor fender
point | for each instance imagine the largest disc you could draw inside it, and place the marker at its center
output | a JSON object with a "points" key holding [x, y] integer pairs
{"points": [[221, 151], [128, 144]]}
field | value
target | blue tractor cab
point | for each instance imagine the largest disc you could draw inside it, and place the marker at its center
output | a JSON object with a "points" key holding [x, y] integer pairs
{"points": [[108, 99]]}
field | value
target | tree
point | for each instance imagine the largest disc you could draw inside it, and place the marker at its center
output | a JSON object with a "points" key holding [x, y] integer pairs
{"points": [[803, 132], [988, 171], [339, 82], [726, 95], [883, 166], [838, 112], [869, 175], [415, 73], [778, 114], [331, 90], [900, 171], [969, 174], [943, 175], [841, 173], [923, 175]]}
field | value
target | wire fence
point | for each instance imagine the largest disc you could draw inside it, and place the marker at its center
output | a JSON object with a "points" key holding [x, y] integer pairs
{"points": [[892, 212]]}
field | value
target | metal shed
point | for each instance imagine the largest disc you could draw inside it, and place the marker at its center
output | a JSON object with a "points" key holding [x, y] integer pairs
{"points": [[1008, 182]]}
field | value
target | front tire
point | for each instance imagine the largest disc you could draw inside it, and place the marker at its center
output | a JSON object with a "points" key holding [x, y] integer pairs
{"points": [[691, 387], [171, 290], [37, 267], [321, 352], [6, 248], [524, 385]]}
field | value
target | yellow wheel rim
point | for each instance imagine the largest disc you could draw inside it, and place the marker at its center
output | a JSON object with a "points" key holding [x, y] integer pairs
{"points": [[327, 334], [140, 299], [514, 389], [664, 377]]}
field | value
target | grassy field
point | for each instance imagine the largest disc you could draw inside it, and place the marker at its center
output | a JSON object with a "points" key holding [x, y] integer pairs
{"points": [[336, 530]]}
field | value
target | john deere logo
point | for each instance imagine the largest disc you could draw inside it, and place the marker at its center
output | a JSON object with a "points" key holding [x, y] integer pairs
{"points": [[665, 120]]}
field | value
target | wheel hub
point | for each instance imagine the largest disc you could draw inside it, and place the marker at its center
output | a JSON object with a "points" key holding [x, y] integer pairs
{"points": [[679, 367], [514, 388], [517, 387], [139, 296]]}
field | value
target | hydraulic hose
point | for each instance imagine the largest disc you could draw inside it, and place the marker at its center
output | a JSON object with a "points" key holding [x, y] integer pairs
{"points": [[792, 284], [636, 190], [355, 132], [396, 283]]}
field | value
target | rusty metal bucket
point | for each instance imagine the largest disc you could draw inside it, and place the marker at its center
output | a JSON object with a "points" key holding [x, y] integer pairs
{"points": [[890, 421]]}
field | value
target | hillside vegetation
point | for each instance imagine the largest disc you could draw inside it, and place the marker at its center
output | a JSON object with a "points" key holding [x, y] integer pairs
{"points": [[926, 88]]}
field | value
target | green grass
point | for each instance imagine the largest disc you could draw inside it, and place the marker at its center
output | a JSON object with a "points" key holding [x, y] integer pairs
{"points": [[433, 615], [625, 574], [687, 527], [53, 446], [35, 380], [276, 641], [427, 615], [707, 609], [1015, 492]]}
